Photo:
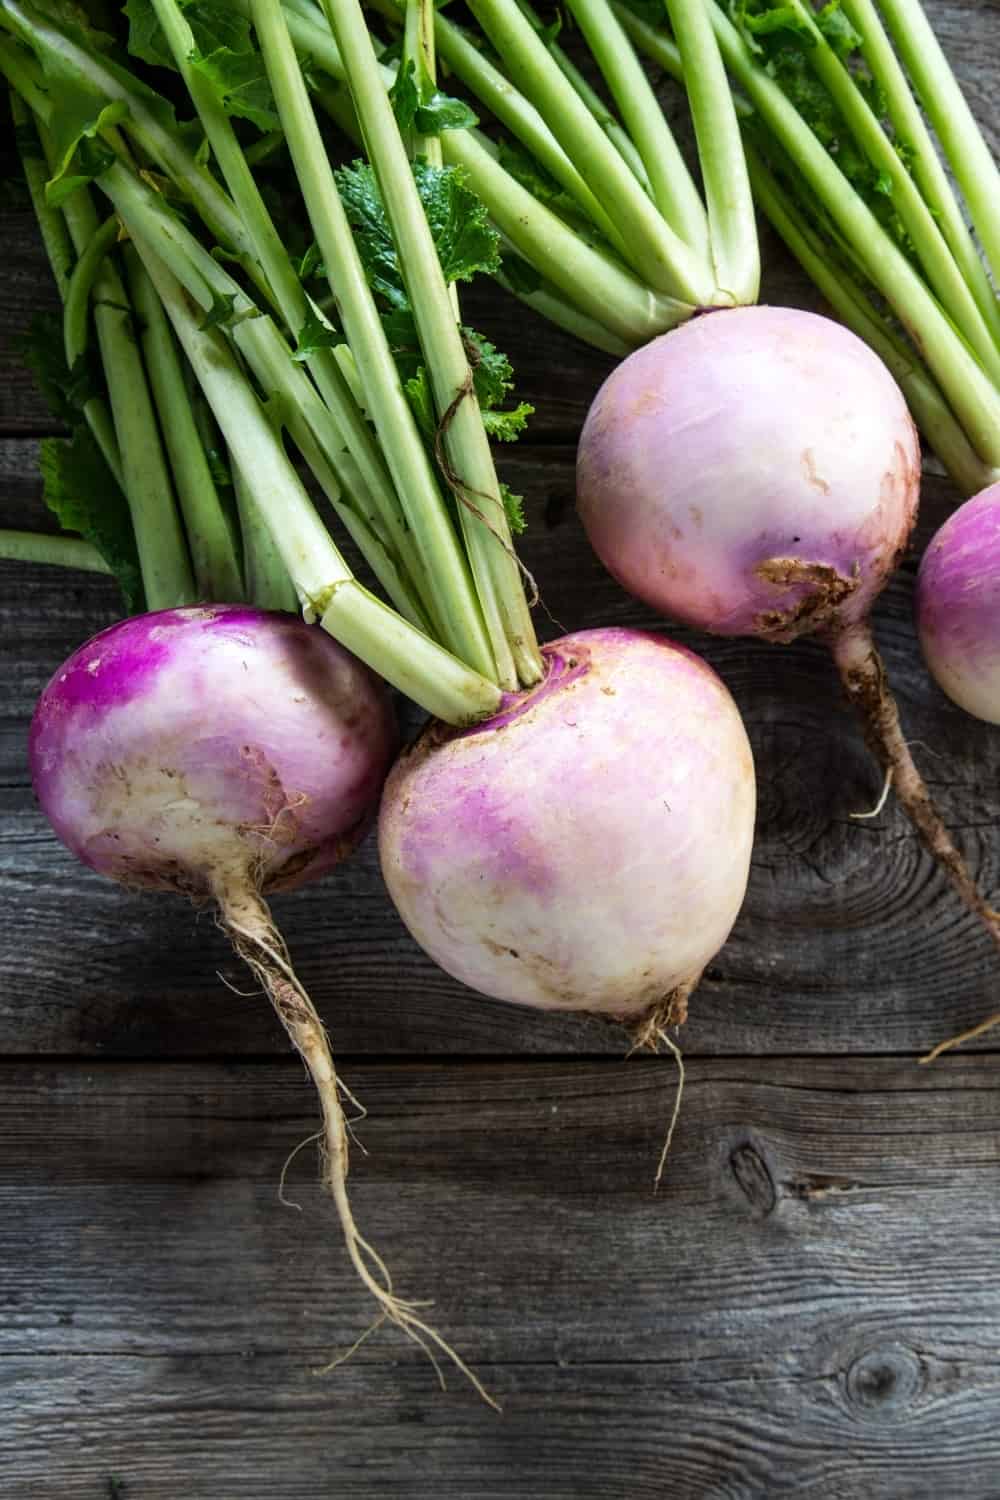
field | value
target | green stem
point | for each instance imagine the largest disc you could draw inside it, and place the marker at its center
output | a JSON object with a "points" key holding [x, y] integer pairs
{"points": [[488, 83], [322, 580], [961, 139], [555, 308], [598, 285], [59, 249], [732, 225], [848, 300], [607, 295], [659, 255], [76, 310], [909, 127], [462, 435], [60, 551], [455, 604], [671, 184], [163, 557], [268, 585], [966, 387], [939, 266], [144, 121], [616, 134], [269, 249], [216, 567]]}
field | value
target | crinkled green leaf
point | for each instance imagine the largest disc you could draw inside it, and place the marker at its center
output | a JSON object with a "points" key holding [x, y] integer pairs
{"points": [[418, 393], [514, 507], [465, 241], [507, 426], [442, 112], [837, 29], [80, 489]]}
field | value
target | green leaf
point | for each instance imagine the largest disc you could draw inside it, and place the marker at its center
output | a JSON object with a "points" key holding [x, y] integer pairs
{"points": [[80, 489], [404, 96], [837, 29], [514, 506], [80, 154], [418, 393], [224, 53], [491, 371], [240, 81], [465, 241], [66, 391], [315, 334], [442, 112], [221, 314], [507, 426], [145, 35]]}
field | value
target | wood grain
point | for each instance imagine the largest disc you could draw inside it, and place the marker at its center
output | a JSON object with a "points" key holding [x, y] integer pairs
{"points": [[807, 1307]]}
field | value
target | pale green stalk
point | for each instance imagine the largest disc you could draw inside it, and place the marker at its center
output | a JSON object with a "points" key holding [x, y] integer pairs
{"points": [[455, 605], [55, 238], [60, 551], [213, 554], [145, 120], [620, 138], [660, 255], [314, 40], [671, 185], [323, 582], [279, 272], [732, 225], [966, 387], [940, 267], [603, 290], [268, 585], [462, 441], [954, 123], [909, 127], [163, 556]]}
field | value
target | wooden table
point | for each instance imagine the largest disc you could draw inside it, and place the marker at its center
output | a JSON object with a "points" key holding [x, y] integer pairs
{"points": [[808, 1306]]}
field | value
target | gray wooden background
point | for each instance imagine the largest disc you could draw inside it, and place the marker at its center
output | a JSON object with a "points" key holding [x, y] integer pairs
{"points": [[808, 1307]]}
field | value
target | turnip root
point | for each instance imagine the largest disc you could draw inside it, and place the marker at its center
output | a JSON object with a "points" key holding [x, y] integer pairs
{"points": [[588, 848], [756, 473], [223, 752]]}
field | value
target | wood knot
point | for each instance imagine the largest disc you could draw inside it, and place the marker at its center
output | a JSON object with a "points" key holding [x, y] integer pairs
{"points": [[882, 1384], [753, 1178]]}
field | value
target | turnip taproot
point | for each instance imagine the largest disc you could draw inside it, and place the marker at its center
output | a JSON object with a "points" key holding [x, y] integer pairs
{"points": [[756, 473]]}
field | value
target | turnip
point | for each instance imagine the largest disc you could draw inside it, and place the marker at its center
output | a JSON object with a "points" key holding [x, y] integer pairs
{"points": [[756, 473], [958, 606], [588, 847]]}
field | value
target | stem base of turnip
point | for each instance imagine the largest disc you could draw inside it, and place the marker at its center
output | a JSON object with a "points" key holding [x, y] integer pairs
{"points": [[247, 921], [865, 682]]}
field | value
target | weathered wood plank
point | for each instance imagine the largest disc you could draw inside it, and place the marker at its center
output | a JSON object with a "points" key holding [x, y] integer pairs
{"points": [[849, 939], [808, 1307]]}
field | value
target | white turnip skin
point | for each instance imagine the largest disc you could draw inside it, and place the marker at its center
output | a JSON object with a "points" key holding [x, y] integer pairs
{"points": [[958, 606], [221, 752], [588, 848], [756, 472]]}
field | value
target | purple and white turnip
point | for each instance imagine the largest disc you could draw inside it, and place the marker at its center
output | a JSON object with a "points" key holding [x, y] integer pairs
{"points": [[587, 848], [958, 606], [756, 473]]}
